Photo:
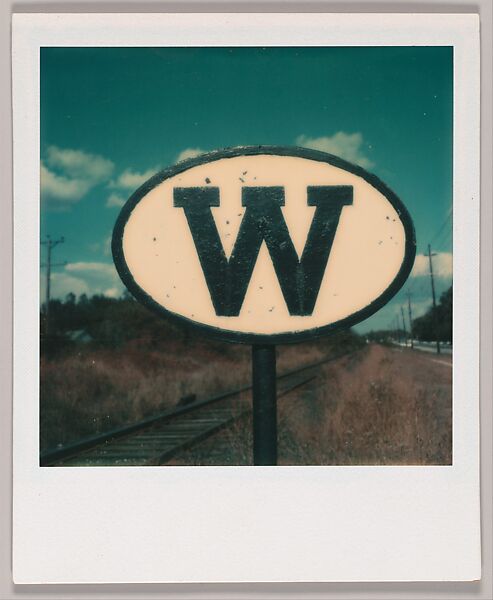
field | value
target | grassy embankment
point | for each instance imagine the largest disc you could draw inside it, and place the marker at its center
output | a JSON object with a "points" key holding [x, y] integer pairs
{"points": [[380, 406], [88, 389]]}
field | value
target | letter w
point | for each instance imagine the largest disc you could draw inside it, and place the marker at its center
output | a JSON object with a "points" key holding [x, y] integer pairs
{"points": [[263, 221]]}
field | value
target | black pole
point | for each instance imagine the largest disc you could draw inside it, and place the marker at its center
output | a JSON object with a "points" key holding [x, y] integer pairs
{"points": [[434, 299], [50, 244], [404, 326], [264, 405], [410, 318]]}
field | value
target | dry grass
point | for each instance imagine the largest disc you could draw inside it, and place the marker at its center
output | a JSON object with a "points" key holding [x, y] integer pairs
{"points": [[377, 407], [94, 390]]}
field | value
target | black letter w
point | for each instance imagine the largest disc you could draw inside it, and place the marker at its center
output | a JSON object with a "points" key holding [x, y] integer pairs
{"points": [[263, 221]]}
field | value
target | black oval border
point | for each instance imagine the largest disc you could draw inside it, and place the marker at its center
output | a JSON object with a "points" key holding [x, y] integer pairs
{"points": [[254, 338]]}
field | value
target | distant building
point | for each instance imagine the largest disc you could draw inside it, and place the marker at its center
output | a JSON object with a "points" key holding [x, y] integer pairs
{"points": [[79, 336]]}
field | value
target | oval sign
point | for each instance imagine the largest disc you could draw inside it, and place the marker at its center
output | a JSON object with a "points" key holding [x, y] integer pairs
{"points": [[264, 244]]}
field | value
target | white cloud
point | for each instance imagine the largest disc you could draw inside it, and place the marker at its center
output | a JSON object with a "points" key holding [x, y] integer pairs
{"points": [[131, 180], [61, 189], [79, 165], [348, 146], [63, 284], [84, 278], [442, 265], [115, 200], [67, 175], [112, 292], [105, 269], [189, 153]]}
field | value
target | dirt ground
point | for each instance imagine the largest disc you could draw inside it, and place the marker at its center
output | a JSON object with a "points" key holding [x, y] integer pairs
{"points": [[379, 406]]}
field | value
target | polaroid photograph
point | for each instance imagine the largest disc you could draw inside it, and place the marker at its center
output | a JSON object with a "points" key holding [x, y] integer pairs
{"points": [[246, 298]]}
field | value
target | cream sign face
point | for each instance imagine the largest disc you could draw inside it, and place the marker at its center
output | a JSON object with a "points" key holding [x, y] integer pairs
{"points": [[264, 244]]}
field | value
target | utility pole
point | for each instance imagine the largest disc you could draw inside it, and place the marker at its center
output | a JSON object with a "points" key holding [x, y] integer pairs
{"points": [[50, 244], [410, 318], [404, 326], [434, 297]]}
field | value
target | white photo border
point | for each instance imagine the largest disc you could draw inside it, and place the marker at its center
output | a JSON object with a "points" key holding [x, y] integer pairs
{"points": [[243, 524]]}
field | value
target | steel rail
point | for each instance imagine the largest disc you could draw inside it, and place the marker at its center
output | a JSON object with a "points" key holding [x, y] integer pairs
{"points": [[48, 457], [188, 443]]}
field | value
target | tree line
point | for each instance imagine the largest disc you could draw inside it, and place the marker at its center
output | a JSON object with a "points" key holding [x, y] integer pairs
{"points": [[105, 322], [111, 323], [435, 324]]}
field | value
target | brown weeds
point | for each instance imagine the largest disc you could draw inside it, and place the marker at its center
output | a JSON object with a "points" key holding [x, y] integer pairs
{"points": [[95, 390], [377, 406]]}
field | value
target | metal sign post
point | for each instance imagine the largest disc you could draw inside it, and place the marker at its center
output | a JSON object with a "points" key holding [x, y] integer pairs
{"points": [[264, 245], [264, 394]]}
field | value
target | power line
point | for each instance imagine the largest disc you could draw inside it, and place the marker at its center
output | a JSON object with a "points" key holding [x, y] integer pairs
{"points": [[418, 286], [410, 318], [444, 238], [50, 244], [404, 325], [433, 297], [442, 227]]}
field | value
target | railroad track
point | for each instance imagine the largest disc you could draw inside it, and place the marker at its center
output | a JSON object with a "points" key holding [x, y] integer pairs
{"points": [[158, 439]]}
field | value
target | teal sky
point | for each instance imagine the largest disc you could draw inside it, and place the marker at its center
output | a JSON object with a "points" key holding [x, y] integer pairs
{"points": [[112, 116]]}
